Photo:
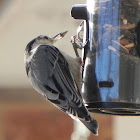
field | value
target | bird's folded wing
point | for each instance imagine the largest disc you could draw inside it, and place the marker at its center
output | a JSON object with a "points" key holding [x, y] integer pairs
{"points": [[56, 80]]}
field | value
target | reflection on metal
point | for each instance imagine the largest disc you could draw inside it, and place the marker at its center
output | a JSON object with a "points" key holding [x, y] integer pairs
{"points": [[111, 74], [80, 132]]}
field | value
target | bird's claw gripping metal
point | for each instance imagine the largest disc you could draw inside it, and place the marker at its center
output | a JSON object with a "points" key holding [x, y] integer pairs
{"points": [[77, 40], [74, 42]]}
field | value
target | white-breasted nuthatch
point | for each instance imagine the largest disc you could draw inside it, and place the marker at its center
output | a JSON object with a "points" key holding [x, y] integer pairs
{"points": [[56, 76]]}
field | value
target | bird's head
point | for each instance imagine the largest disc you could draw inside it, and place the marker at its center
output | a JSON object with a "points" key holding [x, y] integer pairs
{"points": [[33, 45]]}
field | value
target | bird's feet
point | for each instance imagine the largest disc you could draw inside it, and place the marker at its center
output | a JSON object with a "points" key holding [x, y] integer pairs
{"points": [[76, 44]]}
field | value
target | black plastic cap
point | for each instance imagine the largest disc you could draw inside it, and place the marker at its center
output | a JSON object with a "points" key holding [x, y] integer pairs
{"points": [[79, 11]]}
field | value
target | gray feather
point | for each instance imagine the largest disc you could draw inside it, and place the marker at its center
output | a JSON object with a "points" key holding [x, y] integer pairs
{"points": [[49, 74]]}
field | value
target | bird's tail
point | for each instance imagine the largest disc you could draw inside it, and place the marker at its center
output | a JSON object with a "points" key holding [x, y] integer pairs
{"points": [[92, 125]]}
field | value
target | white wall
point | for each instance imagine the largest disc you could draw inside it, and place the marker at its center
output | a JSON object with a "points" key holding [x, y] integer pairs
{"points": [[126, 128]]}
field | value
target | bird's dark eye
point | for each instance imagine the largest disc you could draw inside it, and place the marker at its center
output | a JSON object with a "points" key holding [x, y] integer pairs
{"points": [[46, 37]]}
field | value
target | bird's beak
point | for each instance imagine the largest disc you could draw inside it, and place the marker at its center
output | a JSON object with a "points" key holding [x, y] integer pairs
{"points": [[63, 34], [59, 36]]}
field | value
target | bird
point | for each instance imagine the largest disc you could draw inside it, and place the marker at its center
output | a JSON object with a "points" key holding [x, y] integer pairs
{"points": [[56, 75]]}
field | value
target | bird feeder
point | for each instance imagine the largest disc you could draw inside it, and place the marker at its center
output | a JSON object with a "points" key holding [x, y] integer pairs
{"points": [[111, 55]]}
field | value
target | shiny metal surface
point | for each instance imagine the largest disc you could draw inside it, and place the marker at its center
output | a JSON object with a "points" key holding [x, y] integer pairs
{"points": [[111, 76]]}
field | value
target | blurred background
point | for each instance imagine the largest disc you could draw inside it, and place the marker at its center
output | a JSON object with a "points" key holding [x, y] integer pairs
{"points": [[25, 114]]}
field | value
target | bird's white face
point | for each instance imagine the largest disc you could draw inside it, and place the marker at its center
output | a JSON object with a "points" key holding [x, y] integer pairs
{"points": [[34, 45], [44, 40], [41, 40]]}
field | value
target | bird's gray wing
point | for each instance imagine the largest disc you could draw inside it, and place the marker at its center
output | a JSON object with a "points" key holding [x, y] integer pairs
{"points": [[53, 79], [49, 73]]}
